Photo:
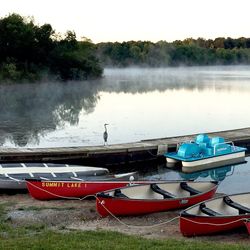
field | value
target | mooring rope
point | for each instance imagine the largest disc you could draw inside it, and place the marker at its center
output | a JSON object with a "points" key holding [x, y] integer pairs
{"points": [[115, 217], [135, 226], [216, 224]]}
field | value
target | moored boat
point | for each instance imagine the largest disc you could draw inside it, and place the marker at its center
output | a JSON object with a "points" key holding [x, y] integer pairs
{"points": [[77, 188], [206, 153], [13, 175], [153, 197], [216, 215]]}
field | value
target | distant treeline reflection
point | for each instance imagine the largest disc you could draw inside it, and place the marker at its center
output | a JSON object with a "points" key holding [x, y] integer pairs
{"points": [[189, 52]]}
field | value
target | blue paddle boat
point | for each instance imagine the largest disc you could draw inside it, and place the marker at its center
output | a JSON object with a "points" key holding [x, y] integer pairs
{"points": [[205, 153]]}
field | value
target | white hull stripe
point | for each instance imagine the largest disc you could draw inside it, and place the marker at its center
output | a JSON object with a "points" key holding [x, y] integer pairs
{"points": [[213, 160], [33, 170]]}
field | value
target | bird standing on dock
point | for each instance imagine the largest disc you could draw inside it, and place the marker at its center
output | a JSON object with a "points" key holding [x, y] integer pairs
{"points": [[105, 134]]}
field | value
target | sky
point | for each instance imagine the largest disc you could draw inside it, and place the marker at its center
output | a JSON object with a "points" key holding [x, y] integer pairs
{"points": [[126, 20]]}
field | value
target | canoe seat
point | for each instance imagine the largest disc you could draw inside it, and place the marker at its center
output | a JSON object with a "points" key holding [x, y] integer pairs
{"points": [[207, 210], [158, 190], [119, 194], [191, 190], [242, 209]]}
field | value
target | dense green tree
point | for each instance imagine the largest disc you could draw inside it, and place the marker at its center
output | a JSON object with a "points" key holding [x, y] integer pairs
{"points": [[187, 52], [28, 51]]}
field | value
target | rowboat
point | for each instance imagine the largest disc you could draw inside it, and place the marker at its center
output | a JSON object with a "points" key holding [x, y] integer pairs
{"points": [[205, 153], [13, 175], [153, 197], [216, 215], [76, 187]]}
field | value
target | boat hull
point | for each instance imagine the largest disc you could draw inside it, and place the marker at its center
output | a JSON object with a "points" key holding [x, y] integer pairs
{"points": [[9, 184], [171, 160], [124, 207], [13, 175], [66, 189], [50, 190], [216, 215], [194, 226], [192, 166]]}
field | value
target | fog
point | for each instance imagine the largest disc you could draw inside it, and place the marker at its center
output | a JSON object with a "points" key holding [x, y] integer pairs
{"points": [[137, 103]]}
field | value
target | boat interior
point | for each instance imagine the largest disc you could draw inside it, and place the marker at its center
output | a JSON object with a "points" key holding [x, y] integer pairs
{"points": [[229, 205], [167, 190]]}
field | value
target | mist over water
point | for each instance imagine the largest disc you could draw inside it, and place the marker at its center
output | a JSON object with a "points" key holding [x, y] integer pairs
{"points": [[136, 103]]}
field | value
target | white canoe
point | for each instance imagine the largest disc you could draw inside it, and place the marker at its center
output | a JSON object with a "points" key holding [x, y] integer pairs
{"points": [[13, 175]]}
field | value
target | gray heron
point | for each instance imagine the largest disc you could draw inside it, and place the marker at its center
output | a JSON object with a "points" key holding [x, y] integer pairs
{"points": [[105, 134]]}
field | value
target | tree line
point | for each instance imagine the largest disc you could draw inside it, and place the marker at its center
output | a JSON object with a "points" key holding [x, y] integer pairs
{"points": [[189, 52], [30, 52]]}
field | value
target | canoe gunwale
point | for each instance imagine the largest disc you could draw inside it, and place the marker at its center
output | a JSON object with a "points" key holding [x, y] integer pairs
{"points": [[185, 213], [107, 196]]}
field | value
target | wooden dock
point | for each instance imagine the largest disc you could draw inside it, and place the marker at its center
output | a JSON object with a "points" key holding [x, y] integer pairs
{"points": [[126, 153]]}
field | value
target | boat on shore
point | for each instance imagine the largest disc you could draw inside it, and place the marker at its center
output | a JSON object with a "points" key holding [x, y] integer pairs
{"points": [[216, 215], [76, 187], [205, 153], [13, 175], [153, 197]]}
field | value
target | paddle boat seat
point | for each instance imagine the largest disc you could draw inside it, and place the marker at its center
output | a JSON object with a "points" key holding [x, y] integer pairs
{"points": [[157, 189], [207, 210], [242, 209], [191, 190]]}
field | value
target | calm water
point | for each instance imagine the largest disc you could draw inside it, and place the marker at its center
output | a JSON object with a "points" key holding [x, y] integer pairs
{"points": [[233, 179], [136, 103]]}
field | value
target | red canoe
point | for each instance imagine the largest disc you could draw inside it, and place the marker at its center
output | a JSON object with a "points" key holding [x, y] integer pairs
{"points": [[63, 189], [216, 215], [154, 197]]}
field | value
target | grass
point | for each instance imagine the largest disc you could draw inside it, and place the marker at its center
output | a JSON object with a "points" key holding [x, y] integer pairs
{"points": [[48, 239], [39, 236]]}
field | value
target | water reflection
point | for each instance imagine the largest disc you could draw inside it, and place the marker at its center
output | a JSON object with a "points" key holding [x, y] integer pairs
{"points": [[232, 178], [28, 112], [172, 101], [216, 174]]}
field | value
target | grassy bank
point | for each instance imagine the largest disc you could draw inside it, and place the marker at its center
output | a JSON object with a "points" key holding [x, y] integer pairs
{"points": [[46, 239], [24, 233]]}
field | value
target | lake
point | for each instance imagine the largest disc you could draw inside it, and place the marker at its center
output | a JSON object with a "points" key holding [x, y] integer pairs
{"points": [[136, 103], [232, 178]]}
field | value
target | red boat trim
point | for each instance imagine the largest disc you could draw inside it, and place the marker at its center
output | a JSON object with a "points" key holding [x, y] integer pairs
{"points": [[105, 195]]}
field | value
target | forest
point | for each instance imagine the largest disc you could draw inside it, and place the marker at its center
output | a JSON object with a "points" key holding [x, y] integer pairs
{"points": [[29, 52], [189, 52]]}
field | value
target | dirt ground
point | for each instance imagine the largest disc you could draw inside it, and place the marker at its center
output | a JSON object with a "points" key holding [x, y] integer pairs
{"points": [[82, 215]]}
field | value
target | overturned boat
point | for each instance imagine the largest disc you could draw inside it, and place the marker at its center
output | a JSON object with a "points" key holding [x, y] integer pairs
{"points": [[206, 153], [216, 215], [77, 187], [153, 197], [13, 175]]}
